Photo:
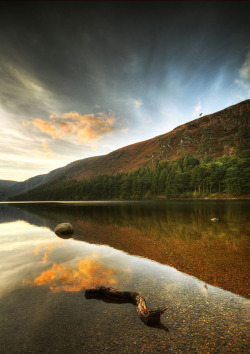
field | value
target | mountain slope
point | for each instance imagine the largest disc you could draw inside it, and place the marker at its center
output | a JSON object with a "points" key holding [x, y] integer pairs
{"points": [[22, 187], [218, 134], [4, 186]]}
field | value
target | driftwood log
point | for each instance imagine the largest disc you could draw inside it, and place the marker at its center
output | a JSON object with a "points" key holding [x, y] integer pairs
{"points": [[150, 317]]}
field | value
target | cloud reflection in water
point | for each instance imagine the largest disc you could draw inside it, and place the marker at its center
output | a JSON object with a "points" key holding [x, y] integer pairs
{"points": [[46, 254], [88, 273]]}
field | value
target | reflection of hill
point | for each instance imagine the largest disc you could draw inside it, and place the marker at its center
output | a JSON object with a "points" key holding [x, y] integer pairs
{"points": [[176, 233], [10, 213], [183, 220]]}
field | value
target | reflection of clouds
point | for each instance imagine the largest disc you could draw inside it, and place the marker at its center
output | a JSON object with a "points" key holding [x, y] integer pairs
{"points": [[127, 270], [36, 251], [89, 273], [46, 254]]}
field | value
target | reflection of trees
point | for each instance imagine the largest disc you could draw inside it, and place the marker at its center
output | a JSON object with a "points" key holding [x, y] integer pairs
{"points": [[182, 220]]}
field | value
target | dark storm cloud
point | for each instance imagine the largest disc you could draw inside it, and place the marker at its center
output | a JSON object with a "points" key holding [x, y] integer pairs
{"points": [[101, 53]]}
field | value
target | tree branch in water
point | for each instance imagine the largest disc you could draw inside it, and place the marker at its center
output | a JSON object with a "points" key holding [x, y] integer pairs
{"points": [[150, 317]]}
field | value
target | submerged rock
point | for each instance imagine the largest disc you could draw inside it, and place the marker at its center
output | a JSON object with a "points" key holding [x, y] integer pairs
{"points": [[214, 219], [64, 230]]}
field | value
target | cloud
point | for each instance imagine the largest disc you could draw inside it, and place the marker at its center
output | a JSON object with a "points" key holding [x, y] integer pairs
{"points": [[46, 153], [46, 127], [137, 103], [85, 127], [197, 108], [89, 273], [23, 94], [245, 69], [47, 149], [244, 74], [45, 145]]}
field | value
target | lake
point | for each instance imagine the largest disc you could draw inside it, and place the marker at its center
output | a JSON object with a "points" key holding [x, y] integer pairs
{"points": [[169, 252]]}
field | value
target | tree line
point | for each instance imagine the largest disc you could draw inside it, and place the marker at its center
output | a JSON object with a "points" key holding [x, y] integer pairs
{"points": [[186, 177]]}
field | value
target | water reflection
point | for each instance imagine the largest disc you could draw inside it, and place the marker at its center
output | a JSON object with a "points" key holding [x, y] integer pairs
{"points": [[184, 220], [87, 274], [48, 312], [45, 253], [174, 233]]}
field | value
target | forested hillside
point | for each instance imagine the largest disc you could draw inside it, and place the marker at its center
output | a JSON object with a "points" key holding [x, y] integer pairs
{"points": [[207, 156], [183, 178]]}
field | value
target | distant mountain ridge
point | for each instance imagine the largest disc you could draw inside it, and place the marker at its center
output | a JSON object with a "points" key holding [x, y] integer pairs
{"points": [[14, 188], [216, 134]]}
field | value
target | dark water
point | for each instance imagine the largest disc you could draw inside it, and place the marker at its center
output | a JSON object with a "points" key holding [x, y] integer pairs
{"points": [[124, 245]]}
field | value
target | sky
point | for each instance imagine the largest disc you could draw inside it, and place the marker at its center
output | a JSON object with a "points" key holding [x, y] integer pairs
{"points": [[81, 79]]}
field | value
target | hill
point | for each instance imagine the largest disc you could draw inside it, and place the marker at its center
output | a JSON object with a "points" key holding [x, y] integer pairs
{"points": [[224, 133], [4, 185], [15, 188], [216, 134]]}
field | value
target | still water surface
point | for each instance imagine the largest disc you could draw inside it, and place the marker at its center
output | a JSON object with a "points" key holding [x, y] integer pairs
{"points": [[129, 246]]}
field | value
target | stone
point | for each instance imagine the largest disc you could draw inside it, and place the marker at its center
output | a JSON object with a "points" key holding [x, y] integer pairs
{"points": [[214, 219], [65, 229]]}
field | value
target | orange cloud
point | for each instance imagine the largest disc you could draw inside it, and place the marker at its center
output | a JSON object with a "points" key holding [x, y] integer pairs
{"points": [[46, 127], [89, 273], [45, 146], [47, 149], [85, 127]]}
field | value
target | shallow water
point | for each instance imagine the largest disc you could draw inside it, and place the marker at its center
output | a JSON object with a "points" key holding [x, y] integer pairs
{"points": [[43, 279], [179, 234]]}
